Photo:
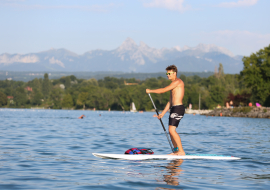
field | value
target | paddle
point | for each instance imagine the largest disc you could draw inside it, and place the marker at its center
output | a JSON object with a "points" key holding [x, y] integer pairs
{"points": [[161, 122]]}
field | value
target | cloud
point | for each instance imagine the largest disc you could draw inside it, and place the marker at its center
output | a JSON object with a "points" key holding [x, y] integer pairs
{"points": [[239, 3], [175, 5], [94, 8], [241, 42]]}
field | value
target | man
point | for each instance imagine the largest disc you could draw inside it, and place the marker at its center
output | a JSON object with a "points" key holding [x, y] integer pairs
{"points": [[177, 111], [81, 117]]}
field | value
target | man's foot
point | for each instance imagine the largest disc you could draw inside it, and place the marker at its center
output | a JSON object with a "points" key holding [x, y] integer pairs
{"points": [[178, 153]]}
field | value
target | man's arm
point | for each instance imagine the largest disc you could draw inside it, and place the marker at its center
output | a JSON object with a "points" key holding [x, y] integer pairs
{"points": [[163, 90], [167, 107]]}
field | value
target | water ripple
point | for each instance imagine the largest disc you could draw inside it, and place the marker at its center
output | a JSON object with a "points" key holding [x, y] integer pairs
{"points": [[52, 149]]}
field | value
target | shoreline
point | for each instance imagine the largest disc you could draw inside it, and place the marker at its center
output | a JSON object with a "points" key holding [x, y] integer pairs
{"points": [[201, 112], [251, 112]]}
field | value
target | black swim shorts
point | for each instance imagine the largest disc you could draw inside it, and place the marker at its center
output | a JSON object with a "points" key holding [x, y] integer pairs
{"points": [[176, 114]]}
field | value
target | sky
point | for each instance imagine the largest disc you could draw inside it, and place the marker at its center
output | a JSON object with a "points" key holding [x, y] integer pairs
{"points": [[30, 26]]}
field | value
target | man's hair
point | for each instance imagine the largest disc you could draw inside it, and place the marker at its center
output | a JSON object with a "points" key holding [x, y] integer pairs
{"points": [[172, 67]]}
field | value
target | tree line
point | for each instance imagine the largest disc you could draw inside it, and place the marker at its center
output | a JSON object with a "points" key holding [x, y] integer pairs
{"points": [[69, 92]]}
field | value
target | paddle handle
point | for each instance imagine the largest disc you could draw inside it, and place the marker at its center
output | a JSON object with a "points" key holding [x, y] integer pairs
{"points": [[161, 123]]}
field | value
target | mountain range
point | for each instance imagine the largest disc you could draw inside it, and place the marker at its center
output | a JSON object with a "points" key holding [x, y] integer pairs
{"points": [[128, 57]]}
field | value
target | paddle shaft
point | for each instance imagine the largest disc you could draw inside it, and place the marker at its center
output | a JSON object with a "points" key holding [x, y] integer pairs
{"points": [[161, 122]]}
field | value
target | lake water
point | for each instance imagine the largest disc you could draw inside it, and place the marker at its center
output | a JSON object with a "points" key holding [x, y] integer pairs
{"points": [[52, 149]]}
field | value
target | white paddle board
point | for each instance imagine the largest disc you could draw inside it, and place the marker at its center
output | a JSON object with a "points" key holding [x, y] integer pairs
{"points": [[164, 157]]}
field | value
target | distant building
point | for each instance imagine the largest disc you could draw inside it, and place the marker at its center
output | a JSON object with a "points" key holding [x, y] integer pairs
{"points": [[29, 89], [130, 83], [9, 78], [10, 98], [62, 86]]}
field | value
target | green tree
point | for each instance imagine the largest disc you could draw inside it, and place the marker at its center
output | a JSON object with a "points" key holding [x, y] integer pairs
{"points": [[152, 83], [220, 70], [216, 96], [208, 82], [56, 97], [82, 98], [73, 78], [195, 79], [107, 98], [46, 87], [35, 84], [20, 97], [193, 97], [93, 81], [256, 75], [111, 85], [183, 78], [67, 101], [139, 97], [3, 99], [36, 97], [67, 82], [94, 99], [123, 98]]}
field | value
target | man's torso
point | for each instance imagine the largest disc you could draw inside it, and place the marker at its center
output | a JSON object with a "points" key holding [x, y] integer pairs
{"points": [[177, 94]]}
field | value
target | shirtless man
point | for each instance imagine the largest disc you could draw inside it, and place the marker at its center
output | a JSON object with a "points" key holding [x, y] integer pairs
{"points": [[177, 111]]}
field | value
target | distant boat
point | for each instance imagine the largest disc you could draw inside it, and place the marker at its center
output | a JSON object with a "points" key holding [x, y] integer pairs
{"points": [[132, 107]]}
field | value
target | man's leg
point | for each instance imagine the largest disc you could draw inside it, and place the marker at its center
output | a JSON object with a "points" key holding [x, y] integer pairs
{"points": [[176, 140]]}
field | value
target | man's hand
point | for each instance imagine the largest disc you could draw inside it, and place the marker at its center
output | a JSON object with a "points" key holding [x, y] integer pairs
{"points": [[148, 91], [158, 116]]}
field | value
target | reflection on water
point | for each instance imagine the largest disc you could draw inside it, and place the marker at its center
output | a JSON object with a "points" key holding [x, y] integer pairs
{"points": [[173, 175], [174, 172]]}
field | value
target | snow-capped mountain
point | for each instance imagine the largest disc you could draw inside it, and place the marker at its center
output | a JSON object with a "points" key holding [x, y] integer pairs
{"points": [[128, 57]]}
